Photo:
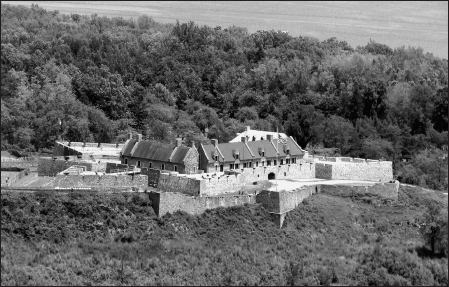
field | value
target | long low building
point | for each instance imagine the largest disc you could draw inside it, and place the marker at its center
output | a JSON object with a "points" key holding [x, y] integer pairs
{"points": [[248, 154], [151, 154]]}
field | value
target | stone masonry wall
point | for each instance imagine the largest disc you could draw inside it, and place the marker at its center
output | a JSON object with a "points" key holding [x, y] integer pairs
{"points": [[103, 181], [284, 201], [181, 184], [166, 202], [302, 169], [111, 166], [153, 175], [385, 190], [191, 162], [380, 171], [48, 167]]}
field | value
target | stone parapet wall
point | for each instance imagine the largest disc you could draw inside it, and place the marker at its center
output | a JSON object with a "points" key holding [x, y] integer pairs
{"points": [[103, 181], [153, 175], [379, 171], [384, 190], [284, 201], [181, 184], [114, 166], [169, 202], [49, 167]]}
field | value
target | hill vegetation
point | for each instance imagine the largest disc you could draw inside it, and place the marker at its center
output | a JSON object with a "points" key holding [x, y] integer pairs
{"points": [[92, 78], [116, 239]]}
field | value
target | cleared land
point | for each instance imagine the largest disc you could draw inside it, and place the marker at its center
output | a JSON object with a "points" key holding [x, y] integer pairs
{"points": [[423, 24]]}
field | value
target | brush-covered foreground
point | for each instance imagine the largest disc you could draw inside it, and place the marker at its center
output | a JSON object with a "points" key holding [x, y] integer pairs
{"points": [[116, 239]]}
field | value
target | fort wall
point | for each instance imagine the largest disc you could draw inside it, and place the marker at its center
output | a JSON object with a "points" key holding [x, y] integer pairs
{"points": [[110, 166], [169, 202], [366, 170], [50, 167], [384, 190], [100, 181]]}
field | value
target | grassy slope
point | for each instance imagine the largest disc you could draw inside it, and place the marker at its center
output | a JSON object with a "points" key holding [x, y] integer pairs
{"points": [[117, 239]]}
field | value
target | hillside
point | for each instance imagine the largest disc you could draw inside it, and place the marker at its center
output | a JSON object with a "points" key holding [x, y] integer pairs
{"points": [[96, 78], [101, 239]]}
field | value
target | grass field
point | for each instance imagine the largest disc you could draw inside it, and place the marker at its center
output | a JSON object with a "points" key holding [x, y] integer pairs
{"points": [[423, 24]]}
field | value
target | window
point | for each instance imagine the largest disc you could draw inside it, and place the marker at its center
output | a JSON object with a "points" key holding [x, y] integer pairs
{"points": [[150, 165], [175, 168], [126, 161], [231, 166], [257, 163], [245, 165], [236, 166], [268, 162], [263, 154], [216, 168], [163, 166], [282, 161], [293, 159], [287, 161], [138, 163], [275, 162], [250, 164], [216, 158]]}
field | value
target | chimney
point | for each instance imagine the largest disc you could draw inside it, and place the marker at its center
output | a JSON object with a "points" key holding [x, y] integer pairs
{"points": [[130, 135], [215, 142], [248, 128], [178, 142], [244, 139], [139, 137], [193, 144], [270, 137]]}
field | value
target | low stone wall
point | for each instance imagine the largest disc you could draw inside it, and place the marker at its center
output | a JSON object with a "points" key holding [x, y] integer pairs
{"points": [[100, 181], [384, 190], [153, 175], [380, 171], [284, 201], [181, 184], [49, 167], [111, 166], [17, 164], [165, 202]]}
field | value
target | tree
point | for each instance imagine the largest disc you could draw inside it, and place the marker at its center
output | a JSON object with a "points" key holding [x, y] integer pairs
{"points": [[434, 226]]}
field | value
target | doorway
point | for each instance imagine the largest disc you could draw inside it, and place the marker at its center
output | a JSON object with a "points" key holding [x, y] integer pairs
{"points": [[271, 176]]}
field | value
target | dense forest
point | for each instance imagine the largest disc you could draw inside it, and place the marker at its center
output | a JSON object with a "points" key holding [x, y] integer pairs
{"points": [[92, 78], [92, 239]]}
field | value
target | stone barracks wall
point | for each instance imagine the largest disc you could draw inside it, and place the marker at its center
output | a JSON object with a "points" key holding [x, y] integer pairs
{"points": [[101, 182], [380, 171], [385, 190], [165, 202]]}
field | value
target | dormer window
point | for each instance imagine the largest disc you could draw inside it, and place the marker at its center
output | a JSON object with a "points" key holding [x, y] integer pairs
{"points": [[216, 158], [236, 154]]}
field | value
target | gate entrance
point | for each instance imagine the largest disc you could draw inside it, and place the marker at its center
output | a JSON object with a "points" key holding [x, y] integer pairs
{"points": [[271, 175]]}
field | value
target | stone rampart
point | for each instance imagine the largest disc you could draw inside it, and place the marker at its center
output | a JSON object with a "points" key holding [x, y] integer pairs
{"points": [[165, 202], [100, 181], [385, 190], [300, 170], [181, 184], [379, 171], [284, 201]]}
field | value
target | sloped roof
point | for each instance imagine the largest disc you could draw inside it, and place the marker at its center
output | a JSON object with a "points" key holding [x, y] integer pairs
{"points": [[153, 150], [129, 144], [179, 154], [227, 150], [259, 135]]}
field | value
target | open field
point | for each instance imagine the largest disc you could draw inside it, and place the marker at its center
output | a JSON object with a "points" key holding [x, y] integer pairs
{"points": [[423, 24]]}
